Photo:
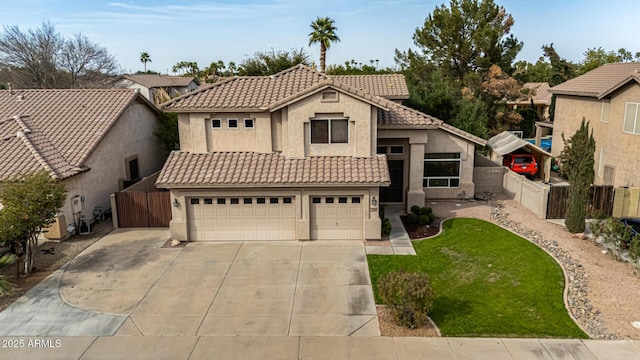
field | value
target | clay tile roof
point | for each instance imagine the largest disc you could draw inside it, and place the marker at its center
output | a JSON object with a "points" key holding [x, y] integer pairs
{"points": [[601, 81], [390, 86], [251, 169], [55, 130], [156, 80], [536, 91]]}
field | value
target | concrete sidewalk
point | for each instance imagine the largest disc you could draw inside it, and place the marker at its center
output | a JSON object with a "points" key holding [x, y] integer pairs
{"points": [[327, 347]]}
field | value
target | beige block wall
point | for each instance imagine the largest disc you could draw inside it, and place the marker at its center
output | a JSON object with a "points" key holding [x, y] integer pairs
{"points": [[620, 148], [131, 135], [296, 133]]}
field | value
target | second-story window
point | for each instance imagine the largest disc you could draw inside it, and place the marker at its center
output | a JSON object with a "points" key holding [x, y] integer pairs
{"points": [[248, 123], [329, 131], [216, 123], [232, 123]]}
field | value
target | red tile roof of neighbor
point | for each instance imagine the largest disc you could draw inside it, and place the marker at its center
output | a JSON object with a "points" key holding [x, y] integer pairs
{"points": [[600, 82], [157, 80], [250, 169], [56, 130]]}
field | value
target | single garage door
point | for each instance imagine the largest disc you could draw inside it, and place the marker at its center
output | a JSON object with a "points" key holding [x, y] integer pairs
{"points": [[241, 218], [336, 217]]}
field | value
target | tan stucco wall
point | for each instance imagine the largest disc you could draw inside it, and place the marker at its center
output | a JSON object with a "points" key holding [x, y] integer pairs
{"points": [[443, 142], [131, 135], [371, 224], [620, 149], [297, 138]]}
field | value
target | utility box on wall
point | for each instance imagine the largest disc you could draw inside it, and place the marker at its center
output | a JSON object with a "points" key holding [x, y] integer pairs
{"points": [[626, 202]]}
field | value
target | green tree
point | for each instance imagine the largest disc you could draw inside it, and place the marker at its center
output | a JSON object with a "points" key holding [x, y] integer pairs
{"points": [[353, 67], [145, 58], [577, 164], [5, 286], [561, 69], [31, 203], [468, 36], [324, 33], [596, 57], [264, 63], [525, 71], [167, 132]]}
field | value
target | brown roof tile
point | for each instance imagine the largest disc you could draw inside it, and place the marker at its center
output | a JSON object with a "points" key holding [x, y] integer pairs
{"points": [[389, 86], [601, 81], [538, 91], [156, 80], [55, 130], [249, 168]]}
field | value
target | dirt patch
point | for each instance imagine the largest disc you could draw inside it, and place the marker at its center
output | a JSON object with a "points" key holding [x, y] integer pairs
{"points": [[417, 231], [50, 256], [389, 328]]}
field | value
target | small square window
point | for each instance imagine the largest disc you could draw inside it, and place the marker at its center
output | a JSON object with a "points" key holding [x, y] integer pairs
{"points": [[381, 150], [273, 200], [396, 149], [355, 200], [195, 201], [315, 200], [328, 200], [248, 123], [235, 201], [261, 201], [342, 200], [208, 201], [216, 123], [286, 200], [247, 200], [221, 201], [232, 123]]}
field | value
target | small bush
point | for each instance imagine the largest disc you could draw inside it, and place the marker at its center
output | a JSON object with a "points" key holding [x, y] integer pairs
{"points": [[386, 226], [409, 297], [426, 210], [415, 209], [381, 211], [427, 219], [413, 218]]}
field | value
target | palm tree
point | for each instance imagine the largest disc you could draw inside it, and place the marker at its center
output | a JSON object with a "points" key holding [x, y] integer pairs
{"points": [[145, 58], [324, 32]]}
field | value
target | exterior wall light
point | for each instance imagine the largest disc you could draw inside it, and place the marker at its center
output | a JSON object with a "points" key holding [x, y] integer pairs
{"points": [[374, 201], [176, 203]]}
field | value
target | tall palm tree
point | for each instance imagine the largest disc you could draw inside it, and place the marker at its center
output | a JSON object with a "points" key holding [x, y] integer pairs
{"points": [[324, 33], [145, 58]]}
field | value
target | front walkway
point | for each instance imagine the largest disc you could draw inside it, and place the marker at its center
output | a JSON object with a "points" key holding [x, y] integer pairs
{"points": [[399, 239]]}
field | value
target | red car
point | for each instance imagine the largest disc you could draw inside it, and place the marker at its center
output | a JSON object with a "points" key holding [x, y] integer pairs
{"points": [[524, 164]]}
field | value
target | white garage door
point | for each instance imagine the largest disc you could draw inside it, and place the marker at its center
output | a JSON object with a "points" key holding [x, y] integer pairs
{"points": [[336, 217], [241, 218]]}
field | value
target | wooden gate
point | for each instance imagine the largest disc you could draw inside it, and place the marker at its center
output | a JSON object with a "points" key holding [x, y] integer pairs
{"points": [[143, 209], [600, 199]]}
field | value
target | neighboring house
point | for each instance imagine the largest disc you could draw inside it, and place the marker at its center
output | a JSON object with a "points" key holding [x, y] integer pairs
{"points": [[92, 140], [302, 155], [536, 95], [609, 98], [152, 86]]}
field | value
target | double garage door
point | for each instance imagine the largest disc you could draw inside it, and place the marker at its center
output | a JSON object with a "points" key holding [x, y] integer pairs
{"points": [[273, 218], [241, 218]]}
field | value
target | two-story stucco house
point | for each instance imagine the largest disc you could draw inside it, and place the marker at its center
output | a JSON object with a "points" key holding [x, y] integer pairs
{"points": [[302, 155], [91, 140], [609, 98], [150, 85]]}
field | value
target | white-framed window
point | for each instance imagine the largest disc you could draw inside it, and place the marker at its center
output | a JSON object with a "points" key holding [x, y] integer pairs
{"points": [[232, 123], [248, 123], [216, 123], [601, 163], [329, 131], [441, 170], [609, 172], [604, 112], [632, 119], [391, 149]]}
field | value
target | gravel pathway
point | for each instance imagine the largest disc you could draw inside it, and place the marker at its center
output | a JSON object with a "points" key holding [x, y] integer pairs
{"points": [[602, 292]]}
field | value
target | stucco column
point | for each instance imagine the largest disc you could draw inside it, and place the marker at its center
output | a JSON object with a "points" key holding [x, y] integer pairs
{"points": [[415, 196], [538, 135]]}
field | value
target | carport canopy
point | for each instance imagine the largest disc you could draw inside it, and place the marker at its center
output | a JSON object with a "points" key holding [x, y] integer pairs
{"points": [[506, 143]]}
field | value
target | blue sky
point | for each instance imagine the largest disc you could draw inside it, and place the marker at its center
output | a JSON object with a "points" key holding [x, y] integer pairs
{"points": [[204, 31]]}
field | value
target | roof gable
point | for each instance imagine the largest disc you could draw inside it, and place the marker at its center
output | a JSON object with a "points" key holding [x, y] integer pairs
{"points": [[600, 82], [59, 128]]}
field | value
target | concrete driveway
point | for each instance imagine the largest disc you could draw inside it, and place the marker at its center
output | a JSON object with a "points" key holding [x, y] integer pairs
{"points": [[128, 285]]}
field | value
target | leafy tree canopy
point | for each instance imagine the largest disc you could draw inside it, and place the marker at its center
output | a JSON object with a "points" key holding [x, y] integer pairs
{"points": [[167, 132], [356, 68], [271, 62]]}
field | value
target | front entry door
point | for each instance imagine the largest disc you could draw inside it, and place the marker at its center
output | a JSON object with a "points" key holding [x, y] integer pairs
{"points": [[394, 193]]}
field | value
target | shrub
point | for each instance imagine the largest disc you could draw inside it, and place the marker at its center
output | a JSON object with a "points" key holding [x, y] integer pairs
{"points": [[409, 297], [427, 219], [426, 210], [413, 218], [381, 211], [386, 226], [415, 209]]}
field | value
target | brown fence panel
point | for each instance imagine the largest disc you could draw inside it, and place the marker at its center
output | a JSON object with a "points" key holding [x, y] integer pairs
{"points": [[132, 209], [159, 208], [600, 199]]}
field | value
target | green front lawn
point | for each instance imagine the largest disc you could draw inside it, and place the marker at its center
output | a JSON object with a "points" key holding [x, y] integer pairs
{"points": [[487, 281]]}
